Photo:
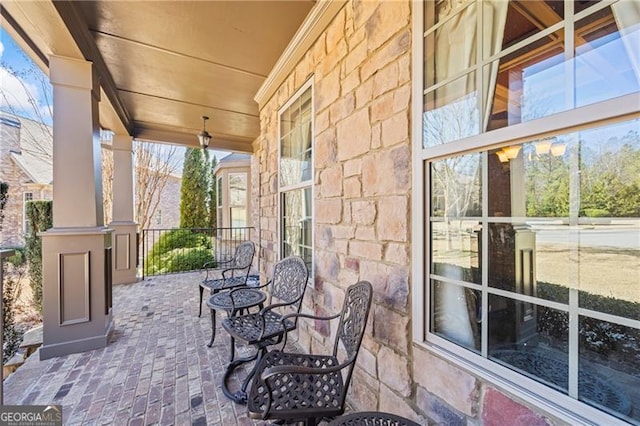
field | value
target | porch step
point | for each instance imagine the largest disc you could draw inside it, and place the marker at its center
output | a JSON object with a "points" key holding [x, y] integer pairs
{"points": [[32, 340], [12, 365]]}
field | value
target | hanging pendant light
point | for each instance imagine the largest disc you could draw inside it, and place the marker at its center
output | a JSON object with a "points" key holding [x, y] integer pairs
{"points": [[204, 137]]}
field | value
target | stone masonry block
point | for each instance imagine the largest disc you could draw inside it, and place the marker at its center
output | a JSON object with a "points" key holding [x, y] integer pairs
{"points": [[393, 223], [396, 288], [361, 394], [368, 362], [352, 187], [355, 58], [454, 386], [335, 31], [364, 93], [401, 159], [376, 136], [354, 135], [322, 122], [395, 129], [499, 409], [397, 253], [362, 11], [350, 82], [342, 108], [327, 264], [352, 167], [396, 369], [331, 181], [363, 212], [385, 79], [390, 402], [334, 57], [366, 233], [327, 90], [396, 47], [325, 149], [401, 98], [391, 329], [389, 18], [438, 411], [366, 249], [329, 210], [382, 107]]}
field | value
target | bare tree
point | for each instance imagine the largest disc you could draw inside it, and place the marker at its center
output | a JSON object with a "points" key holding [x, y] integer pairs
{"points": [[154, 165], [41, 110]]}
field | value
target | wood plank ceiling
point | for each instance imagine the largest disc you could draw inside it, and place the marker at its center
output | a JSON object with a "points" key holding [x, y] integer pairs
{"points": [[170, 62]]}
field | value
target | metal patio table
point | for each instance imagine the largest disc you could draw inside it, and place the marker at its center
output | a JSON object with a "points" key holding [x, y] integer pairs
{"points": [[233, 301]]}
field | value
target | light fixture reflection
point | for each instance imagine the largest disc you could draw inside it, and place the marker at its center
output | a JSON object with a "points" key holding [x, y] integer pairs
{"points": [[543, 146], [511, 151], [558, 149]]}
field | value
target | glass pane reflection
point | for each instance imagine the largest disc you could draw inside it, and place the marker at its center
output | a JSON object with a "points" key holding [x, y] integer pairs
{"points": [[607, 46], [451, 112], [454, 250], [456, 314], [530, 339], [456, 189], [609, 355]]}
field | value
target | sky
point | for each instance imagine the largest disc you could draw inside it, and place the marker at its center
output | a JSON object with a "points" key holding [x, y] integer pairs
{"points": [[25, 89]]}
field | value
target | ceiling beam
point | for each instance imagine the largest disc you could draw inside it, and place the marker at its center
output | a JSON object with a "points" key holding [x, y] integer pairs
{"points": [[72, 17]]}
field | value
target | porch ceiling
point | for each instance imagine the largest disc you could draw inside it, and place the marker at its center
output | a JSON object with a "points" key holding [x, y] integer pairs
{"points": [[164, 64]]}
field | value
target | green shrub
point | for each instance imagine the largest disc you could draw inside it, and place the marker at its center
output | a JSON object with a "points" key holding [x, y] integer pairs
{"points": [[13, 270], [178, 250], [596, 213], [40, 216], [595, 335]]}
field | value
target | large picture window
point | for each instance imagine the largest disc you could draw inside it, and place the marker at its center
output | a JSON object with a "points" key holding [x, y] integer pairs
{"points": [[296, 178], [532, 217]]}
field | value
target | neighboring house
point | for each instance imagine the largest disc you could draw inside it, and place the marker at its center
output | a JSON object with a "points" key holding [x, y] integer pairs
{"points": [[26, 165], [233, 183], [167, 215]]}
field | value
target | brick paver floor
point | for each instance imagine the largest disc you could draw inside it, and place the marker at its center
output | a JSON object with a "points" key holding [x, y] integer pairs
{"points": [[156, 370]]}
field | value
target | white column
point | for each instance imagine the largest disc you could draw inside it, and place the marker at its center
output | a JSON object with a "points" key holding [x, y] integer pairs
{"points": [[76, 251], [123, 224]]}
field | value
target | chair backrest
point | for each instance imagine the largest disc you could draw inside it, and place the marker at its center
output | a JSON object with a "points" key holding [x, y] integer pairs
{"points": [[353, 320], [243, 256], [289, 281]]}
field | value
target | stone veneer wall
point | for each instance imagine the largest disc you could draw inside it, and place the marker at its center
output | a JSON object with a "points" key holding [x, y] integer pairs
{"points": [[361, 67]]}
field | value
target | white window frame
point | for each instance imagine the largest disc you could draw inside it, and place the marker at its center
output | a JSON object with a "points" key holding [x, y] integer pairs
{"points": [[605, 112], [309, 84], [245, 201], [24, 209]]}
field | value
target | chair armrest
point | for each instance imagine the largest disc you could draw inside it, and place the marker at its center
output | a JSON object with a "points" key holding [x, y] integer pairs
{"points": [[212, 262], [298, 369], [266, 309], [299, 315]]}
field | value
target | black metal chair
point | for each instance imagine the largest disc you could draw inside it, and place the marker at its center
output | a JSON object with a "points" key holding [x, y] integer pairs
{"points": [[266, 328], [240, 262], [300, 387], [372, 418]]}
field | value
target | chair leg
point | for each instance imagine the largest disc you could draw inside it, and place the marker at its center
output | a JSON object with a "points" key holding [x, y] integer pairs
{"points": [[213, 327], [239, 397], [200, 306]]}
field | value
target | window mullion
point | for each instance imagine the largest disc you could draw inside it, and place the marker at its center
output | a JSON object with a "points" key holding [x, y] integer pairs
{"points": [[484, 261]]}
